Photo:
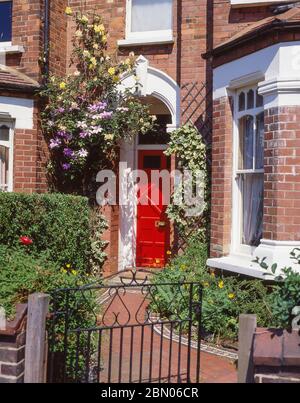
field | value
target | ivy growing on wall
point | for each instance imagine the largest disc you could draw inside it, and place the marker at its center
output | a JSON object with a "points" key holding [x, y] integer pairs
{"points": [[191, 154]]}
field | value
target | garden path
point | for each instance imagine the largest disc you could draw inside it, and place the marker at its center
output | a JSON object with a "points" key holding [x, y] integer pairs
{"points": [[213, 369]]}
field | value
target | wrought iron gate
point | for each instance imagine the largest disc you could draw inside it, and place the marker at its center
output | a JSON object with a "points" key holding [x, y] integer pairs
{"points": [[139, 332]]}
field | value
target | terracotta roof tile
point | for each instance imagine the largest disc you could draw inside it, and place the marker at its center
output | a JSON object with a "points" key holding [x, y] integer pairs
{"points": [[292, 15]]}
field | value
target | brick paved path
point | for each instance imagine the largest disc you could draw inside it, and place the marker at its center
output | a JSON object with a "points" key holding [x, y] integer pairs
{"points": [[131, 346]]}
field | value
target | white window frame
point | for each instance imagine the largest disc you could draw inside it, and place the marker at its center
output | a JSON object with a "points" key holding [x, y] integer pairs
{"points": [[8, 187], [9, 43], [237, 247], [147, 37]]}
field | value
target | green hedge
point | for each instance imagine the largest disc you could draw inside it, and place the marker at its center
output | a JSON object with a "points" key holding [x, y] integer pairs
{"points": [[59, 226]]}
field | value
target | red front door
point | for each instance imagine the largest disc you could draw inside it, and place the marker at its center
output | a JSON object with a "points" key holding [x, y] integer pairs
{"points": [[153, 227]]}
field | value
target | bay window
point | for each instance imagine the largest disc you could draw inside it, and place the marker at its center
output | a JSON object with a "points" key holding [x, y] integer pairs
{"points": [[148, 21], [249, 170], [5, 21], [6, 158]]}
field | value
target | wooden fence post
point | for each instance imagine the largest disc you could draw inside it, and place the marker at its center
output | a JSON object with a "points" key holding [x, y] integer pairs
{"points": [[247, 327], [38, 307]]}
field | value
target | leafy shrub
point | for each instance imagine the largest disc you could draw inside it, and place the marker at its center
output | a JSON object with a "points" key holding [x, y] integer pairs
{"points": [[59, 225], [224, 298], [22, 274], [286, 294]]}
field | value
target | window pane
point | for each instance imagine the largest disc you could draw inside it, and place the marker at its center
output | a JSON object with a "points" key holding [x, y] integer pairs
{"points": [[151, 15], [259, 100], [250, 99], [242, 101], [252, 196], [4, 158], [5, 21], [260, 131], [4, 133], [246, 134]]}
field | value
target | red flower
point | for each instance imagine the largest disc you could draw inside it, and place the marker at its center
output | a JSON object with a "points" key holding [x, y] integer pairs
{"points": [[25, 240]]}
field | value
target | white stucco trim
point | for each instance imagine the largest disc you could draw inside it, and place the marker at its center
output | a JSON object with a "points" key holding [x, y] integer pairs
{"points": [[151, 81], [156, 83], [280, 92], [19, 109], [280, 60]]}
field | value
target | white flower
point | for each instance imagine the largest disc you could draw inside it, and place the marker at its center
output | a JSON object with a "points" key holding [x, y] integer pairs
{"points": [[82, 153]]}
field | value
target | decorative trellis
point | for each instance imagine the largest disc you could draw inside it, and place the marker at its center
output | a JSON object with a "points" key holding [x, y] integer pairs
{"points": [[196, 109]]}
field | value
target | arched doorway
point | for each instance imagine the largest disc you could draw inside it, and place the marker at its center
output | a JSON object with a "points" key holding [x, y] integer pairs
{"points": [[144, 230]]}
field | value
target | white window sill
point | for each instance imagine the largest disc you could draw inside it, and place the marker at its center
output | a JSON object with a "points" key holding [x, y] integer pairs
{"points": [[247, 3], [146, 41], [240, 264], [6, 48]]}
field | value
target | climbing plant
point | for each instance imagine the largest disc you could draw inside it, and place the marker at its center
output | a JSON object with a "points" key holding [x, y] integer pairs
{"points": [[86, 114], [191, 153]]}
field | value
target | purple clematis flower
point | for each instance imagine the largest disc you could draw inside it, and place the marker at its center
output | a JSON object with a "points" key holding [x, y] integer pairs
{"points": [[54, 143], [68, 152], [66, 166]]}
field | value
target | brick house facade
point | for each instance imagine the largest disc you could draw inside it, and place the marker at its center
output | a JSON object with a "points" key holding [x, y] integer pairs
{"points": [[240, 47]]}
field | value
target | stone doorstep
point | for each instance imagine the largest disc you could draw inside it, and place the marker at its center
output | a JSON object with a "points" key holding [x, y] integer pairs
{"points": [[276, 348]]}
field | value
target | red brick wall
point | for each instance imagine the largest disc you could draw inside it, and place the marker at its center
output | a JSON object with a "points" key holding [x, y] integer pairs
{"points": [[27, 31], [282, 174], [58, 37], [30, 155], [221, 198], [191, 33], [228, 21]]}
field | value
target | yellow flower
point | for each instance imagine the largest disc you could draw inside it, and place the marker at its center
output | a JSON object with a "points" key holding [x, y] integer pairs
{"points": [[68, 266], [169, 252], [221, 284], [63, 271], [206, 284], [127, 62], [111, 71], [231, 296], [68, 11], [104, 39], [74, 272], [213, 274], [84, 19], [62, 85], [99, 28], [183, 267], [109, 136], [78, 33], [86, 53], [116, 79], [96, 46]]}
